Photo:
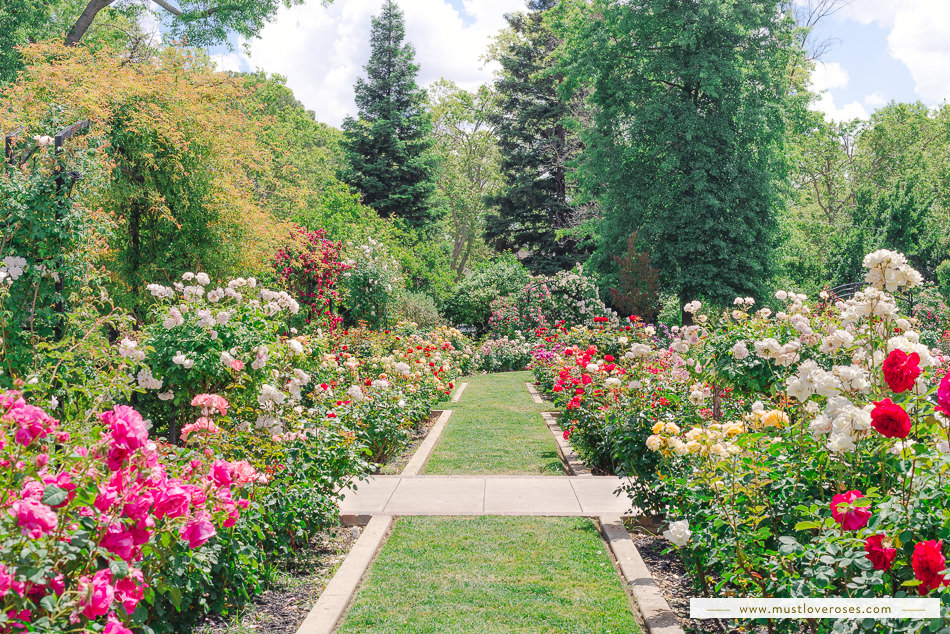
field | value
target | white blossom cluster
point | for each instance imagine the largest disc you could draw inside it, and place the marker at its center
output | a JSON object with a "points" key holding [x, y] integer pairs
{"points": [[12, 268], [890, 271], [297, 382], [270, 396], [128, 349], [784, 354]]}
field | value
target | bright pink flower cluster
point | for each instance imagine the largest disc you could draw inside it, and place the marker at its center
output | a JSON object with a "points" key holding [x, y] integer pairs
{"points": [[119, 492]]}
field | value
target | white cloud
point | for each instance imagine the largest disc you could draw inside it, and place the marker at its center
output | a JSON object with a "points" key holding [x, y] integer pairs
{"points": [[919, 36], [322, 50], [825, 77], [875, 100]]}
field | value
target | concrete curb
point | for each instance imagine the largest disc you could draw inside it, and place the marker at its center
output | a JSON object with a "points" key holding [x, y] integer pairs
{"points": [[568, 456], [421, 457], [655, 612], [330, 608], [458, 392], [535, 395]]}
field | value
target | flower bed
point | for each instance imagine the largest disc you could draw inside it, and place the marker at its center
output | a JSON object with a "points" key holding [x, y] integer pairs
{"points": [[800, 452], [225, 445]]}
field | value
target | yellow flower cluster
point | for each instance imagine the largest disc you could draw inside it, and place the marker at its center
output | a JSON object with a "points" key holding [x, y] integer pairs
{"points": [[773, 418]]}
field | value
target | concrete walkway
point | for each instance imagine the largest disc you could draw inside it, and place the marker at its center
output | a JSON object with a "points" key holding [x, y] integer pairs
{"points": [[483, 495]]}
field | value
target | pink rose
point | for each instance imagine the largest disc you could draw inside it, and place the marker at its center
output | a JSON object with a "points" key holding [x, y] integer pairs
{"points": [[138, 506], [211, 402], [119, 541], [243, 472], [6, 581], [221, 473], [237, 364], [845, 513], [943, 395], [96, 593], [128, 428], [106, 498], [32, 423], [198, 530], [130, 590], [115, 626], [171, 501], [34, 518]]}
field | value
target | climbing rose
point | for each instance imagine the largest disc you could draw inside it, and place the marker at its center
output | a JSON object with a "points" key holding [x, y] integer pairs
{"points": [[928, 562], [901, 370], [890, 419], [115, 626], [881, 557], [851, 517]]}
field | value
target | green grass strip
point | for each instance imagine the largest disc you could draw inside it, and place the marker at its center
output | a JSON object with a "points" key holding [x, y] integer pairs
{"points": [[492, 574], [495, 429]]}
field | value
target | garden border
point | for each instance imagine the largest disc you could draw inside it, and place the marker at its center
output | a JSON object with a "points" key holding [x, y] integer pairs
{"points": [[649, 603], [535, 395], [569, 457], [339, 592], [458, 391], [419, 459]]}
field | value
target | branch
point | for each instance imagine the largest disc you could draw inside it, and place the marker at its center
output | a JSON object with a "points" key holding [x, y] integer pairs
{"points": [[85, 20], [168, 7]]}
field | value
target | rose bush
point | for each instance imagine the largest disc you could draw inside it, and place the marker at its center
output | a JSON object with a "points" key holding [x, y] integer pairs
{"points": [[807, 448]]}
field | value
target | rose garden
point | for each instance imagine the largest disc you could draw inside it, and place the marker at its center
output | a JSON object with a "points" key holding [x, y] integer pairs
{"points": [[625, 326]]}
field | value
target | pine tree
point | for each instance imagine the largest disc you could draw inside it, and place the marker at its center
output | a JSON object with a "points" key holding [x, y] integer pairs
{"points": [[535, 145], [388, 149]]}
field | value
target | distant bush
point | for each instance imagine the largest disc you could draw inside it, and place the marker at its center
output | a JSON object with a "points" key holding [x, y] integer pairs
{"points": [[484, 284], [418, 308]]}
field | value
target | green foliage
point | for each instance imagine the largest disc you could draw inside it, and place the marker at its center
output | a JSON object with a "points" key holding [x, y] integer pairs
{"points": [[372, 285], [471, 303], [943, 278], [388, 148], [686, 143], [536, 145], [418, 308], [469, 163]]}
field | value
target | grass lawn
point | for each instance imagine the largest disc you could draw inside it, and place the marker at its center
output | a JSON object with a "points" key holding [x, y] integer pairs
{"points": [[492, 574], [495, 429]]}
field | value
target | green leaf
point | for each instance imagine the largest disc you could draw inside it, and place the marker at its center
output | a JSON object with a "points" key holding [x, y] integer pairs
{"points": [[54, 496], [119, 568], [807, 525]]}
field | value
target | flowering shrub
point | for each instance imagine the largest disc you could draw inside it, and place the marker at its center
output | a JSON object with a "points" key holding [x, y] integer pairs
{"points": [[805, 449], [86, 527], [371, 284], [503, 355], [309, 267], [567, 298]]}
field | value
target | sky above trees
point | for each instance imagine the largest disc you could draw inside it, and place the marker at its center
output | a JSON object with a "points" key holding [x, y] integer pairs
{"points": [[886, 50]]}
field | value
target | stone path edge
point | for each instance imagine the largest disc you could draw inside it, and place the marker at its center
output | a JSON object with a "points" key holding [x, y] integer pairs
{"points": [[569, 457], [327, 613], [419, 459], [458, 391], [535, 395], [655, 613]]}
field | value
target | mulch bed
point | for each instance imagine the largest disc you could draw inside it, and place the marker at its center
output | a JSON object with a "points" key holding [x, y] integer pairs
{"points": [[282, 608], [670, 574]]}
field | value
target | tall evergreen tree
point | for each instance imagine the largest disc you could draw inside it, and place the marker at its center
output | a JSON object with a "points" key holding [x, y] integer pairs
{"points": [[688, 141], [535, 145], [388, 149]]}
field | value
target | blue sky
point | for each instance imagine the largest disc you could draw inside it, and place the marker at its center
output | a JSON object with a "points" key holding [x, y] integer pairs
{"points": [[886, 50]]}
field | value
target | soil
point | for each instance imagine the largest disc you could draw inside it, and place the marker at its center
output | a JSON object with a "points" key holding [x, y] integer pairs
{"points": [[284, 606], [397, 463]]}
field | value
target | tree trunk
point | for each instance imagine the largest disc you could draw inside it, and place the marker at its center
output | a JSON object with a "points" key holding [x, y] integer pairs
{"points": [[86, 18]]}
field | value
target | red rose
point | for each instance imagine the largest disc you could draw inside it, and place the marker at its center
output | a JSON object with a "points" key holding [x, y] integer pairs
{"points": [[845, 513], [928, 562], [901, 370], [881, 557], [890, 419]]}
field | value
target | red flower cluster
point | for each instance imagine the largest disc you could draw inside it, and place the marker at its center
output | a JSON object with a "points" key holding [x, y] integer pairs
{"points": [[880, 556]]}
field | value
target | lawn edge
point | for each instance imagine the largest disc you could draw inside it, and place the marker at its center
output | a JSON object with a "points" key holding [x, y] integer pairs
{"points": [[458, 392], [571, 461], [336, 597], [651, 607], [419, 459]]}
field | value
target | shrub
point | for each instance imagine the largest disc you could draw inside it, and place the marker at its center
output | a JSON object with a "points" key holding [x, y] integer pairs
{"points": [[308, 266], [638, 291], [943, 279], [371, 285], [471, 302], [418, 308]]}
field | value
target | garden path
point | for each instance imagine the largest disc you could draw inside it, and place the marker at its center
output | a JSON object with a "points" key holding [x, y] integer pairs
{"points": [[490, 404]]}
